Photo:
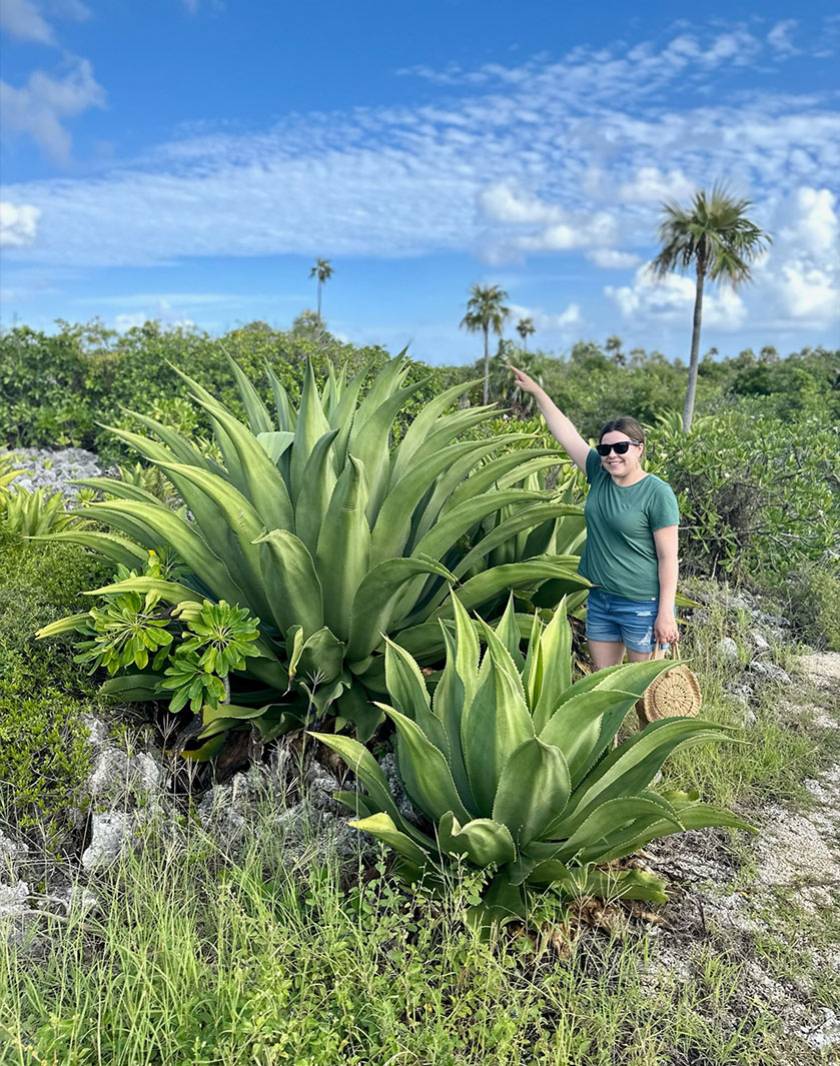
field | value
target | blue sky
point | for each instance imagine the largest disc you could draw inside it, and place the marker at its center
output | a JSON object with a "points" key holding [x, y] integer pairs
{"points": [[188, 159]]}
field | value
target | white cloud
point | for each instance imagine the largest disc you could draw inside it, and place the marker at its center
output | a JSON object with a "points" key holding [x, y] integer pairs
{"points": [[39, 107], [779, 37], [651, 185], [671, 299], [612, 258], [22, 19], [548, 321], [504, 202], [18, 224]]}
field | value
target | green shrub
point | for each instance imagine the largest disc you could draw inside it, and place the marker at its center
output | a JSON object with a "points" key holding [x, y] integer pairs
{"points": [[757, 495], [44, 762], [814, 603], [43, 693]]}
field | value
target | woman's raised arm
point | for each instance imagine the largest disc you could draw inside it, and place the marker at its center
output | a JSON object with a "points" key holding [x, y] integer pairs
{"points": [[560, 427]]}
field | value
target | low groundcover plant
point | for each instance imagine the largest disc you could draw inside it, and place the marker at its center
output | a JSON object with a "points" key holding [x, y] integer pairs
{"points": [[512, 768]]}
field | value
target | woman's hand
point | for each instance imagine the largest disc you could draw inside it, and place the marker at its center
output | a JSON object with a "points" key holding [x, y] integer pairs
{"points": [[525, 383], [665, 628]]}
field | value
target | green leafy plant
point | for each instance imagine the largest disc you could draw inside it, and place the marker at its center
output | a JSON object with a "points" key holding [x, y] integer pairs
{"points": [[332, 534], [512, 767], [31, 514]]}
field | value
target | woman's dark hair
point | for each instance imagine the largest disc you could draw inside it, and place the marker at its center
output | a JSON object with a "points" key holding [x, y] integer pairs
{"points": [[625, 424]]}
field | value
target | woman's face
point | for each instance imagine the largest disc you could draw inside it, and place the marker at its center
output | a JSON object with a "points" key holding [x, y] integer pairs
{"points": [[619, 465]]}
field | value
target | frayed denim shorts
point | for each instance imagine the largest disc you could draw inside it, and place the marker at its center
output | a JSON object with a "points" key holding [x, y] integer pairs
{"points": [[615, 619]]}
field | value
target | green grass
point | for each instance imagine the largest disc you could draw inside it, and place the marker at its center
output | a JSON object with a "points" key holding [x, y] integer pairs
{"points": [[198, 960]]}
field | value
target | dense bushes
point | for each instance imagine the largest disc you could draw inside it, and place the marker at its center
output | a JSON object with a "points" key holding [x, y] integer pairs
{"points": [[55, 390], [43, 694]]}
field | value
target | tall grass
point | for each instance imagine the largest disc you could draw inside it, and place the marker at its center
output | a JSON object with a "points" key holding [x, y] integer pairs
{"points": [[195, 958]]}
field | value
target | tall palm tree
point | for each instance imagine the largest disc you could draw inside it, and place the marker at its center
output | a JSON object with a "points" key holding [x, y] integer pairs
{"points": [[714, 236], [525, 327], [485, 311], [323, 271]]}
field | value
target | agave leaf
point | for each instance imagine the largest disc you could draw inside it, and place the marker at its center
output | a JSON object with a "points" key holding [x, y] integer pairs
{"points": [[375, 601], [206, 751], [354, 802], [286, 416], [424, 770], [407, 688], [257, 475], [490, 583], [493, 725], [533, 790], [131, 688], [169, 591], [422, 425], [259, 419], [70, 624], [182, 450], [311, 426], [383, 828], [354, 706], [112, 486], [554, 673], [369, 443], [620, 815], [344, 547], [447, 704], [119, 550], [483, 841], [521, 519], [343, 416], [315, 492], [156, 526], [576, 725], [366, 768], [631, 767], [698, 816], [275, 444], [393, 523], [507, 632], [502, 903], [292, 585]]}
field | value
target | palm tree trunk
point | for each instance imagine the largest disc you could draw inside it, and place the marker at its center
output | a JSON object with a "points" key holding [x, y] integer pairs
{"points": [[486, 366], [691, 391], [319, 297]]}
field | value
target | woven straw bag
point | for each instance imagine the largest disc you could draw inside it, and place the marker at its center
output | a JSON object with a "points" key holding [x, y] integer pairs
{"points": [[674, 694]]}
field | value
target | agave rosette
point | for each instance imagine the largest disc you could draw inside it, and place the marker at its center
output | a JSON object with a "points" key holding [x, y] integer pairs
{"points": [[334, 535], [512, 768]]}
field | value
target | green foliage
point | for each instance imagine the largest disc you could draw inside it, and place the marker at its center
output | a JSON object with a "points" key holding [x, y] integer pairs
{"points": [[43, 757], [32, 514], [331, 534], [757, 495], [513, 769], [814, 602]]}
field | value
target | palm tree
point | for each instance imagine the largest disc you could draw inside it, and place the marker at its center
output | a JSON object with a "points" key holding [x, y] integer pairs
{"points": [[323, 271], [715, 236], [486, 311], [525, 327]]}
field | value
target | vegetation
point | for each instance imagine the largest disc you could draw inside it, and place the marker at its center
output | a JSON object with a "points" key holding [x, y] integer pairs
{"points": [[328, 536], [715, 237], [508, 719]]}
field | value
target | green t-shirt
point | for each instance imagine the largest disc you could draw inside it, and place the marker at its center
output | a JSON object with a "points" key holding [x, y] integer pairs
{"points": [[620, 552]]}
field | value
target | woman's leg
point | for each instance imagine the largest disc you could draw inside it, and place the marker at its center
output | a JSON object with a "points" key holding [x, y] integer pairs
{"points": [[606, 653], [638, 656]]}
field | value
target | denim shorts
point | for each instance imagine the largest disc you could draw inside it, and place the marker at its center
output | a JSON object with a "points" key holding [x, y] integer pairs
{"points": [[615, 619]]}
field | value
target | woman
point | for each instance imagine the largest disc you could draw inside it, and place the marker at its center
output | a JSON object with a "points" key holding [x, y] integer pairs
{"points": [[632, 521]]}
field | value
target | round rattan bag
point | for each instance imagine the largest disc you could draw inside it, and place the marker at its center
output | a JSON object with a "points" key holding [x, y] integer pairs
{"points": [[674, 694]]}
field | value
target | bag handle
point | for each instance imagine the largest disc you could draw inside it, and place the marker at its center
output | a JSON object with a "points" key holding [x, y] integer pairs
{"points": [[659, 651]]}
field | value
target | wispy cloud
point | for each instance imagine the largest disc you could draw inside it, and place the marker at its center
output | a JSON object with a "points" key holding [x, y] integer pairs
{"points": [[551, 157]]}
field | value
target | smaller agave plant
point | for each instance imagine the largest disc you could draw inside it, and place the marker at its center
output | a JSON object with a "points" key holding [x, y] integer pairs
{"points": [[512, 768]]}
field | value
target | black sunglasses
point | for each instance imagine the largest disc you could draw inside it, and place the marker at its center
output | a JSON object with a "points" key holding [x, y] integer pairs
{"points": [[620, 447]]}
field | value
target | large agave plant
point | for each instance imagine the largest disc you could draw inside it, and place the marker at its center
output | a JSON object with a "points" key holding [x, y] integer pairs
{"points": [[334, 536], [512, 768]]}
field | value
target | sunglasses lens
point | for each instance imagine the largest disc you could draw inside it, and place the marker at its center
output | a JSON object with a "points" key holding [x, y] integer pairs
{"points": [[620, 448]]}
